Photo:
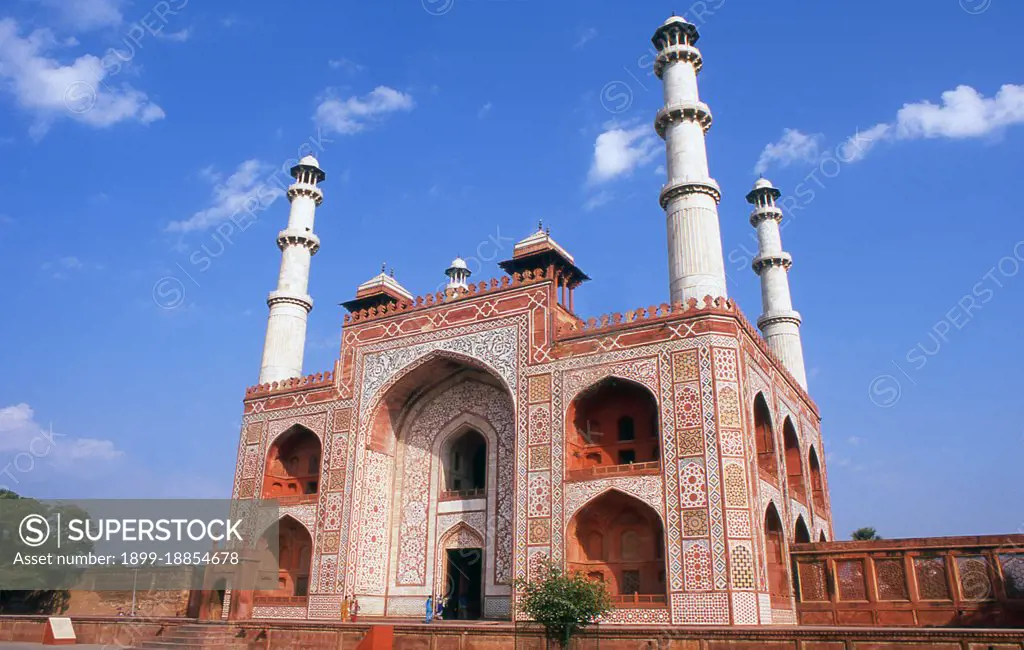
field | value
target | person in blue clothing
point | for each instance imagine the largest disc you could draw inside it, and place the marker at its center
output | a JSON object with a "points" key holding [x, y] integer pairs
{"points": [[430, 609]]}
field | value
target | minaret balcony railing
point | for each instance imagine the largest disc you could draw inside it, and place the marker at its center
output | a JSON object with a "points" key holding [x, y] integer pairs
{"points": [[304, 238], [775, 317], [678, 52], [302, 300], [306, 189], [680, 111], [765, 212], [677, 188], [783, 259]]}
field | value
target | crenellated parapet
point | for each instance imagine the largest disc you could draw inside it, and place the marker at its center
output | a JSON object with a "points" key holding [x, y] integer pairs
{"points": [[647, 315], [449, 296], [319, 380]]}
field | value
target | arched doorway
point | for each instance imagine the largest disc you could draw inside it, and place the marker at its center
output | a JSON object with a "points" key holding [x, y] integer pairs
{"points": [[612, 423], [293, 466], [764, 438], [294, 552], [620, 540], [441, 445], [794, 462], [775, 542], [217, 601], [464, 459]]}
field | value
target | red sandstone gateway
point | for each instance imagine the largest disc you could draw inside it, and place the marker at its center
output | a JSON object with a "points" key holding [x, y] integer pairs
{"points": [[466, 437]]}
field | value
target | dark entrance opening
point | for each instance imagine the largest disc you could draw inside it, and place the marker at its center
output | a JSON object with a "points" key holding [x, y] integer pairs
{"points": [[464, 568]]}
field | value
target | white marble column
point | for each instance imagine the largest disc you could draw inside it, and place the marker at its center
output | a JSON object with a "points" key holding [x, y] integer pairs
{"points": [[291, 303], [690, 197], [779, 322]]}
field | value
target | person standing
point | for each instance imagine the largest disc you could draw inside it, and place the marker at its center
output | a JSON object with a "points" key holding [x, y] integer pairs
{"points": [[354, 608], [345, 609], [429, 613]]}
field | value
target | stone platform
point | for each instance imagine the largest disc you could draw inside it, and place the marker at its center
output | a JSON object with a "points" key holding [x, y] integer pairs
{"points": [[124, 632]]}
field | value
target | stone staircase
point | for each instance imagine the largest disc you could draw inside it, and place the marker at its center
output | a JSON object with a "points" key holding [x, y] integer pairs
{"points": [[196, 636]]}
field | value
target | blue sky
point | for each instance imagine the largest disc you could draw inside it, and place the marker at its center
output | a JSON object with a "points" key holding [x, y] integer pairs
{"points": [[449, 127]]}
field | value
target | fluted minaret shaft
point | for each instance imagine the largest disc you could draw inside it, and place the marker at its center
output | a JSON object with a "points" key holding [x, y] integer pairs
{"points": [[779, 322], [291, 303], [690, 197]]}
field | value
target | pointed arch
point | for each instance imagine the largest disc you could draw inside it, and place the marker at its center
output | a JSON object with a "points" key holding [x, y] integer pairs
{"points": [[817, 484], [293, 553], [292, 467], [619, 539], [794, 462], [775, 550], [801, 534], [405, 388], [764, 437], [822, 537], [612, 422], [394, 376]]}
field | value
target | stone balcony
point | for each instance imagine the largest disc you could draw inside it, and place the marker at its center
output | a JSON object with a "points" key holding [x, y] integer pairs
{"points": [[609, 471]]}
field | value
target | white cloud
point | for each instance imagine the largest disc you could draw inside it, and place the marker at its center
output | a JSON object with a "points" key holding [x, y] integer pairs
{"points": [[247, 189], [346, 65], [50, 91], [30, 445], [179, 36], [963, 114], [858, 145], [61, 268], [586, 36], [87, 15], [618, 151], [484, 110], [352, 115], [793, 146], [602, 198]]}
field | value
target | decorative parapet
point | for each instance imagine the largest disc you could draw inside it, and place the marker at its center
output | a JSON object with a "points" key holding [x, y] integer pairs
{"points": [[656, 315], [319, 380], [449, 296], [646, 316]]}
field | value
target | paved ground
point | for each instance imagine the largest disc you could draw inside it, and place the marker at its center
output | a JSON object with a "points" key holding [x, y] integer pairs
{"points": [[8, 645]]}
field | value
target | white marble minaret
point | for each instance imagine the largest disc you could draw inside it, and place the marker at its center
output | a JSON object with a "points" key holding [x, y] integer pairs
{"points": [[779, 322], [690, 197], [290, 304]]}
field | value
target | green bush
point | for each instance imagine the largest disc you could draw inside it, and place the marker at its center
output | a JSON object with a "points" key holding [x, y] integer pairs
{"points": [[564, 602]]}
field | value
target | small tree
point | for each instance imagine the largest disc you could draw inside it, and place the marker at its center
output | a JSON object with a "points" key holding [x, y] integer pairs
{"points": [[564, 602], [865, 534]]}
